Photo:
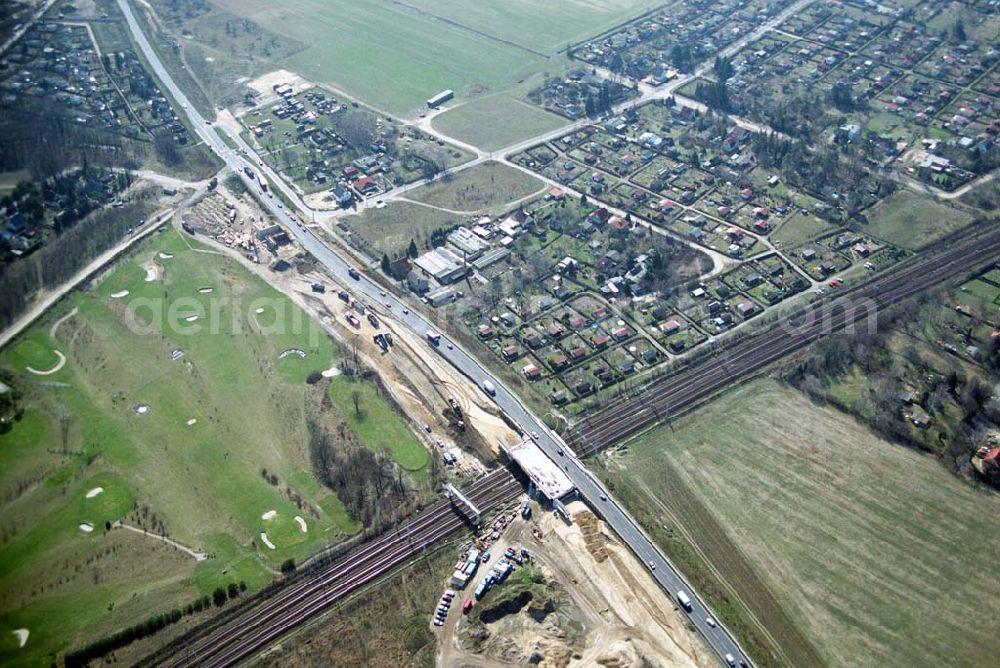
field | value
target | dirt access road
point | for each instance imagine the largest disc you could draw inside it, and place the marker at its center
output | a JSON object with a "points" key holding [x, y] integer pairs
{"points": [[418, 380], [626, 619]]}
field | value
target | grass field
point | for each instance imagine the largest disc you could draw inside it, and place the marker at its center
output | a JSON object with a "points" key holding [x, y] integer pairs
{"points": [[489, 188], [496, 121], [376, 424], [396, 55], [798, 229], [479, 188], [389, 229], [877, 553], [910, 220], [191, 466]]}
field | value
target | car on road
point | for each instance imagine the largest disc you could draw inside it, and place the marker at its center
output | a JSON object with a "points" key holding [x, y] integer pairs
{"points": [[406, 311], [486, 556], [450, 347], [652, 566], [710, 622], [604, 497], [353, 273], [467, 606], [381, 293], [560, 452], [534, 435], [388, 305], [730, 659]]}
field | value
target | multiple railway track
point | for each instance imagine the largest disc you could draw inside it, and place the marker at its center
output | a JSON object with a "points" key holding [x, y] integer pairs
{"points": [[260, 626], [666, 395]]}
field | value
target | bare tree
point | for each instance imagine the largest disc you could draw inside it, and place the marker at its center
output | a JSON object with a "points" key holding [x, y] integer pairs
{"points": [[356, 400]]}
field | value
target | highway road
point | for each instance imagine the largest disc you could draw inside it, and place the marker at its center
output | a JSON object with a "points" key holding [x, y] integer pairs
{"points": [[590, 489]]}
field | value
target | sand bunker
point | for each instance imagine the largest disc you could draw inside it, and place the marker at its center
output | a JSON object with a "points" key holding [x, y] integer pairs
{"points": [[263, 537], [94, 492], [119, 294], [191, 421], [204, 291], [166, 256], [291, 351], [302, 524], [331, 372], [52, 369], [86, 527], [22, 636], [269, 515], [152, 271], [190, 318]]}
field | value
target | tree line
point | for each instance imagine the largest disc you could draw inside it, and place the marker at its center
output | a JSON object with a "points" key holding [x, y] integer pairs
{"points": [[152, 625], [58, 261]]}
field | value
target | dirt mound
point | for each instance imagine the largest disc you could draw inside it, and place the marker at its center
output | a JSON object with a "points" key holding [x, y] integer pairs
{"points": [[620, 654], [552, 654], [593, 537]]}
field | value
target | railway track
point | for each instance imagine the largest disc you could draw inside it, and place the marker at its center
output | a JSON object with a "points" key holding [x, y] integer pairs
{"points": [[259, 627], [666, 395]]}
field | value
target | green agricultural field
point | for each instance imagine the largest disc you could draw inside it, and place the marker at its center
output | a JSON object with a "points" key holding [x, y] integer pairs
{"points": [[911, 220], [877, 554], [496, 121], [396, 55], [123, 432]]}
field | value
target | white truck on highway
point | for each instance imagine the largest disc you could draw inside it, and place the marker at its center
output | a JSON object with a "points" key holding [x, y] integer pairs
{"points": [[683, 599], [489, 388], [433, 337]]}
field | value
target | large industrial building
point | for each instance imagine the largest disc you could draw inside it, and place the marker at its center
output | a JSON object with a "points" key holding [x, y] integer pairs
{"points": [[444, 265]]}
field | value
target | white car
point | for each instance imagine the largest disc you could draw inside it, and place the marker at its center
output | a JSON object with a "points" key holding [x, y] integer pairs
{"points": [[710, 622], [534, 435], [730, 659], [652, 565]]}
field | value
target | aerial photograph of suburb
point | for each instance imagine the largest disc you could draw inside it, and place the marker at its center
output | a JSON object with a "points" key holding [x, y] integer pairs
{"points": [[500, 333]]}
